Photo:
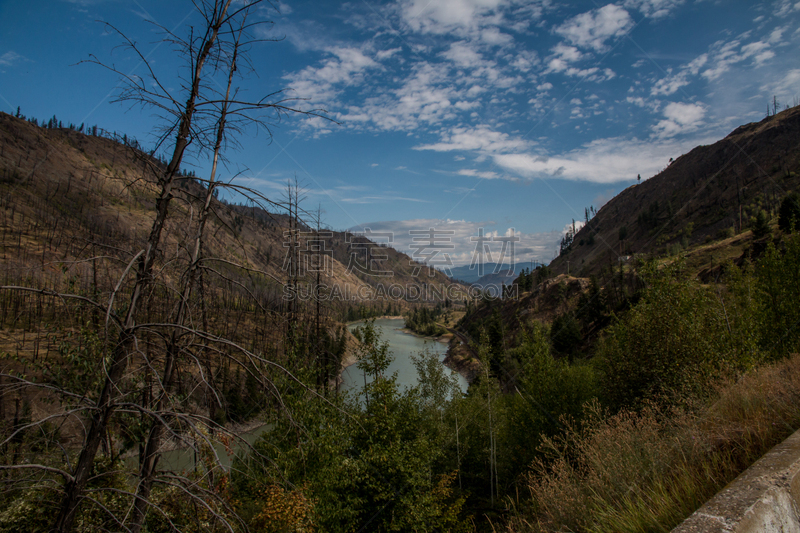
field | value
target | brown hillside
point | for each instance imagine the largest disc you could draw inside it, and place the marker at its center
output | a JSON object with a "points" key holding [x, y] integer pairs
{"points": [[67, 197], [697, 198]]}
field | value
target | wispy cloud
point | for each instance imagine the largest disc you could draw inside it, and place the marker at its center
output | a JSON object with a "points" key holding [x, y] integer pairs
{"points": [[11, 58], [481, 138], [382, 198], [608, 160], [345, 67]]}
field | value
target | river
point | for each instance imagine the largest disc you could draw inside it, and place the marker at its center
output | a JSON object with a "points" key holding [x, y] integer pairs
{"points": [[402, 345]]}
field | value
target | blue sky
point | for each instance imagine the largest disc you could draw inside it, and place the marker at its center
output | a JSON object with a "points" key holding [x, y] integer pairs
{"points": [[453, 114]]}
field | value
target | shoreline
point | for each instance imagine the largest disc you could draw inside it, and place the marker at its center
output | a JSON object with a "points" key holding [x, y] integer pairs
{"points": [[459, 360], [350, 359], [453, 361]]}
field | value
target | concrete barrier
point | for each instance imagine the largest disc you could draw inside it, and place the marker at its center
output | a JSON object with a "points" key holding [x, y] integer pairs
{"points": [[764, 498]]}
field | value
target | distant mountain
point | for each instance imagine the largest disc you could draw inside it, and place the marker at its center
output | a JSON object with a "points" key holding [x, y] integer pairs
{"points": [[704, 195], [474, 274]]}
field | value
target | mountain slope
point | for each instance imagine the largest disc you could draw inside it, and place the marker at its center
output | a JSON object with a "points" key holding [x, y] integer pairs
{"points": [[697, 198], [67, 197]]}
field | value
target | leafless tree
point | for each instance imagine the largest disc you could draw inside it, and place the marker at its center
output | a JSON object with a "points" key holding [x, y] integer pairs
{"points": [[208, 117]]}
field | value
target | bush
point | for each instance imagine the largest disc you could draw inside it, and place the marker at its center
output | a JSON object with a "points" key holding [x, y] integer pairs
{"points": [[726, 233], [565, 334], [671, 342]]}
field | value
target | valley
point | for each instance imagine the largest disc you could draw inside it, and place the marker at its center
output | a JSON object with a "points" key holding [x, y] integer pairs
{"points": [[327, 271]]}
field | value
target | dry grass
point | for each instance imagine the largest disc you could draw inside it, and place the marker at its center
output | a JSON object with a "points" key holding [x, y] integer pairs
{"points": [[648, 470]]}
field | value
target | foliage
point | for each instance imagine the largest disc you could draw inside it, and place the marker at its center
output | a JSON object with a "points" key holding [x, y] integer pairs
{"points": [[31, 511], [789, 213], [526, 280], [760, 224], [547, 390], [778, 283], [672, 341], [423, 321], [649, 218], [647, 470], [565, 334], [377, 464]]}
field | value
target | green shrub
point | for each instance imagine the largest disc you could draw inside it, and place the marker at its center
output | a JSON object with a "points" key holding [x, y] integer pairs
{"points": [[671, 342], [778, 282]]}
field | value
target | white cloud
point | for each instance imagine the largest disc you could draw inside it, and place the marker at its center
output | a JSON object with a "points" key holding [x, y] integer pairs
{"points": [[785, 7], [786, 89], [725, 54], [525, 60], [319, 84], [680, 118], [563, 55], [776, 35], [481, 138], [671, 84], [463, 55], [487, 175], [654, 9], [386, 54], [593, 28], [602, 161], [722, 55], [759, 50], [382, 199], [425, 97], [457, 17], [459, 235]]}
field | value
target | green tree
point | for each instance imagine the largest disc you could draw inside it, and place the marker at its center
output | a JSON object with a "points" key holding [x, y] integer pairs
{"points": [[760, 225], [376, 465], [671, 342], [547, 390], [778, 282], [542, 273], [565, 334], [789, 213]]}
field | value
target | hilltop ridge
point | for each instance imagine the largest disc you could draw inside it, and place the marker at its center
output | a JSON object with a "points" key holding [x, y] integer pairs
{"points": [[707, 194]]}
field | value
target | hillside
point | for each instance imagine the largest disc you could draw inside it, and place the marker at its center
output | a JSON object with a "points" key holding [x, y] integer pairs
{"points": [[76, 211], [66, 196], [704, 195]]}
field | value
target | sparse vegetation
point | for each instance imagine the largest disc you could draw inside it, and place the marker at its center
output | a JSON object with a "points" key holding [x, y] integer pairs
{"points": [[616, 402]]}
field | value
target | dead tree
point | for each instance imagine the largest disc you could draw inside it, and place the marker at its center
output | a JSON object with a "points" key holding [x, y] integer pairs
{"points": [[204, 118]]}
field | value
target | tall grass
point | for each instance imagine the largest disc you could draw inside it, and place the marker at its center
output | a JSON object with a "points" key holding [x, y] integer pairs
{"points": [[647, 470]]}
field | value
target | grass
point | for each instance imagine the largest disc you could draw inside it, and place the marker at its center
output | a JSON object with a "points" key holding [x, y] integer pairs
{"points": [[649, 470]]}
